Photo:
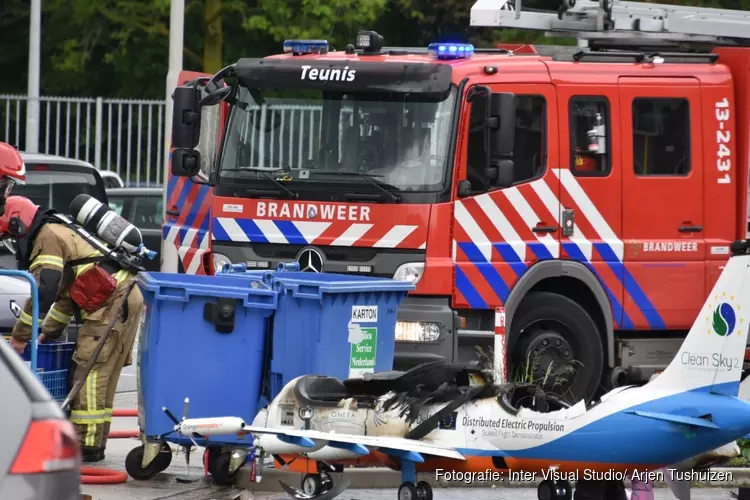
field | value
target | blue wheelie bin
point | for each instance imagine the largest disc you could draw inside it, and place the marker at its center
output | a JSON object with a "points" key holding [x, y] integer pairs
{"points": [[338, 325], [203, 339]]}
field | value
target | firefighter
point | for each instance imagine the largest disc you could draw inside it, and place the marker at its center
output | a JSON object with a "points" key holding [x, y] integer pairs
{"points": [[75, 279]]}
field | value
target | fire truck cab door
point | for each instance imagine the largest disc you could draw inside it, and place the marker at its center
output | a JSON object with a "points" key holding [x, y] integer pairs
{"points": [[500, 233], [186, 230], [663, 198]]}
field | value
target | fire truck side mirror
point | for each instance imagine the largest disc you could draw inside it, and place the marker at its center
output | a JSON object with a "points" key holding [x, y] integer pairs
{"points": [[186, 117], [502, 119], [185, 162], [502, 173]]}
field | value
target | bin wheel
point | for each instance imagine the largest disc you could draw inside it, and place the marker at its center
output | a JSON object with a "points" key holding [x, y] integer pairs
{"points": [[164, 458], [213, 453], [219, 469], [312, 484], [133, 462]]}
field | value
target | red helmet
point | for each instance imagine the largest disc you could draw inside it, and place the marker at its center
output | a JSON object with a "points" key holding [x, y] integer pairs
{"points": [[12, 168], [11, 163], [17, 207]]}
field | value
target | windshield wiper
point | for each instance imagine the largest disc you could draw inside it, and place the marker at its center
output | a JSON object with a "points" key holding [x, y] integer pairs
{"points": [[268, 176], [382, 186]]}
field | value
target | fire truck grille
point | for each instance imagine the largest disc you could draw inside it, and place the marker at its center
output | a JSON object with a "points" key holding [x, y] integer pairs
{"points": [[289, 252]]}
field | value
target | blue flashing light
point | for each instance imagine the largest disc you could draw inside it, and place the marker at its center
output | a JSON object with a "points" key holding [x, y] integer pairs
{"points": [[300, 47], [451, 50]]}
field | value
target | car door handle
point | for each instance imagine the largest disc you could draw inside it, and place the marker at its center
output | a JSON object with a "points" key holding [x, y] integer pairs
{"points": [[690, 229], [173, 212], [544, 229]]}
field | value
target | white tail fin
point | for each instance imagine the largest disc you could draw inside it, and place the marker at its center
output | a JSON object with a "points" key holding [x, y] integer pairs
{"points": [[713, 352]]}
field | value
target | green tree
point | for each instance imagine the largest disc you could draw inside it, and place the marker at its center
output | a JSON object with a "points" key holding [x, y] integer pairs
{"points": [[335, 20]]}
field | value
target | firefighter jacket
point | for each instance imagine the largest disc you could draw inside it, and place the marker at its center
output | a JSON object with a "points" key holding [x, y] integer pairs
{"points": [[47, 251]]}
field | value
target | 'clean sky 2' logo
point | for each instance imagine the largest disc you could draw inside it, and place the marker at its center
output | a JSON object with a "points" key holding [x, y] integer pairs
{"points": [[724, 318]]}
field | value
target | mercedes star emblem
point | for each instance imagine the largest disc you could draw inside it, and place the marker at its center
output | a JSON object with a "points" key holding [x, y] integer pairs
{"points": [[310, 260], [312, 212]]}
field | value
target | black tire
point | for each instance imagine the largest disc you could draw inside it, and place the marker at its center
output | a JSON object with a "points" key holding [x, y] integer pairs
{"points": [[424, 490], [164, 458], [311, 485], [564, 490], [219, 469], [213, 454], [133, 462], [545, 491], [545, 316], [408, 491]]}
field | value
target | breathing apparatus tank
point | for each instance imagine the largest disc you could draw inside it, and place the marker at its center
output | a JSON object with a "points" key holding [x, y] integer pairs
{"points": [[97, 218]]}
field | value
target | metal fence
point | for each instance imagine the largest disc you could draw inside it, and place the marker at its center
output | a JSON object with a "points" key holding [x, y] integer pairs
{"points": [[125, 136]]}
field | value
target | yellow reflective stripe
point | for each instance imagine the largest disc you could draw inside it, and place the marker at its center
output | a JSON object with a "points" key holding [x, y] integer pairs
{"points": [[85, 267], [86, 417], [58, 316], [108, 415], [47, 260], [90, 438], [25, 318], [122, 275]]}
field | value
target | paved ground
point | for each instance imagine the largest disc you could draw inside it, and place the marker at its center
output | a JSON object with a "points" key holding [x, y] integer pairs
{"points": [[163, 485], [488, 494]]}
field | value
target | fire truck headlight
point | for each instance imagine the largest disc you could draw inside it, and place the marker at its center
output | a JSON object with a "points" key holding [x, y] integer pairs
{"points": [[219, 261], [417, 331], [411, 271]]}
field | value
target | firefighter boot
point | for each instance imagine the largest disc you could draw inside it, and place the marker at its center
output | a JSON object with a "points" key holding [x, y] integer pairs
{"points": [[90, 455]]}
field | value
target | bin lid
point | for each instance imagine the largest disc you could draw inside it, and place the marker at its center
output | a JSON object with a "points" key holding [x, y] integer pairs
{"points": [[329, 282], [181, 287]]}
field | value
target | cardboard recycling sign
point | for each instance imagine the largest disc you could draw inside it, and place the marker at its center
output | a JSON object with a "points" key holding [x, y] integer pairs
{"points": [[363, 337]]}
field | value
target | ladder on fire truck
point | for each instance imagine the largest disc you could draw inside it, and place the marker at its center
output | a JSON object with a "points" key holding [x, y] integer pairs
{"points": [[619, 24]]}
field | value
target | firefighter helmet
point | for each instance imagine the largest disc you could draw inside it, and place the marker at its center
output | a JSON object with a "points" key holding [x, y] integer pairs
{"points": [[17, 217], [12, 169], [11, 163]]}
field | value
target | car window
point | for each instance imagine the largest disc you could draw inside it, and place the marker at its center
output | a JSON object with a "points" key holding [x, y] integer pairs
{"points": [[111, 182], [148, 212], [121, 205], [57, 189]]}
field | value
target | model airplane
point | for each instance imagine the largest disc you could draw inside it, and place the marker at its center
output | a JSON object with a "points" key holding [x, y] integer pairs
{"points": [[443, 416]]}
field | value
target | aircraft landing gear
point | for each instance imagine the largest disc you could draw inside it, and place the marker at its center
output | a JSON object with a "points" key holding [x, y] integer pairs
{"points": [[554, 490], [410, 488], [316, 484], [410, 491]]}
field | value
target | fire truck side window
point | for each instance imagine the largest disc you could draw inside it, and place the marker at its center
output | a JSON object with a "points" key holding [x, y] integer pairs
{"points": [[589, 136], [529, 148], [661, 136], [530, 141]]}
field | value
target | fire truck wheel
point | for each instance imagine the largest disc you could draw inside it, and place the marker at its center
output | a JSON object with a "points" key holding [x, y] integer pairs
{"points": [[556, 339]]}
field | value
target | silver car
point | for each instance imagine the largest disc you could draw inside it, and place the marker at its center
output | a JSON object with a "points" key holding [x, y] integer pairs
{"points": [[39, 450]]}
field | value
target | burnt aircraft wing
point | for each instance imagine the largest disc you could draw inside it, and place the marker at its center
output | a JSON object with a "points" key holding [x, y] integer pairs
{"points": [[406, 448]]}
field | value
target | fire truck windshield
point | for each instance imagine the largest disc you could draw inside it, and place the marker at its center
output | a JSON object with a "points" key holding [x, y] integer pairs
{"points": [[379, 141]]}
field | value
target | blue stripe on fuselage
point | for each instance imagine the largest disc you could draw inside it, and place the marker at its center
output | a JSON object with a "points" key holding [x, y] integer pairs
{"points": [[625, 438]]}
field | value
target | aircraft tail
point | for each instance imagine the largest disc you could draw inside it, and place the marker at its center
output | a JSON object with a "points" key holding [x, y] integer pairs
{"points": [[712, 355]]}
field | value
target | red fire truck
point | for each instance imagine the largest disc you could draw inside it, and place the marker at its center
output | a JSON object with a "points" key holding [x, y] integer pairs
{"points": [[593, 192]]}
